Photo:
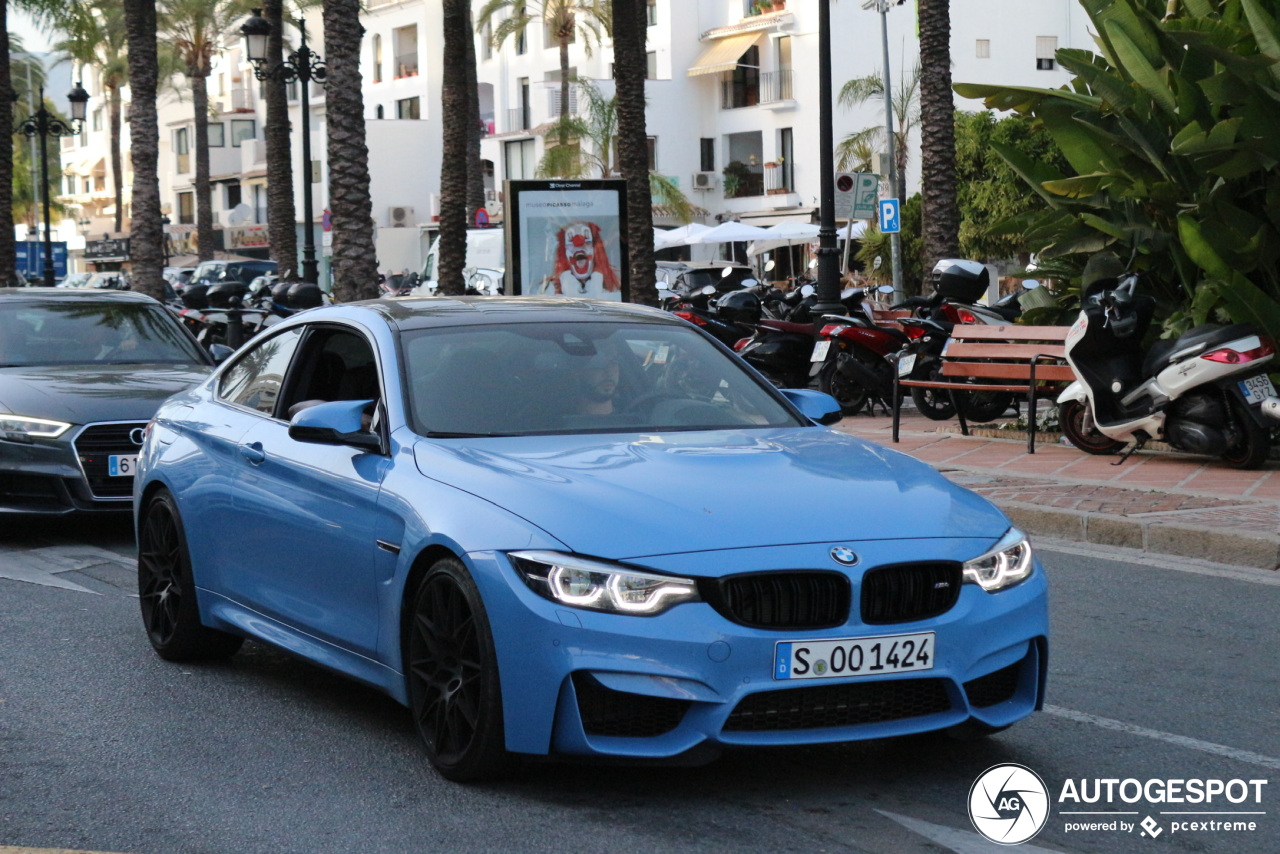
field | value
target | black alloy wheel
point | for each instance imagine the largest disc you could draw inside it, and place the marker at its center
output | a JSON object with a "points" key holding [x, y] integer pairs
{"points": [[851, 396], [1254, 445], [1071, 418], [933, 403], [454, 691], [166, 589]]}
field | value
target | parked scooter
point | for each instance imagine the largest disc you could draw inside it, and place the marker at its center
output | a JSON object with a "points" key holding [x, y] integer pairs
{"points": [[851, 356], [1205, 393]]}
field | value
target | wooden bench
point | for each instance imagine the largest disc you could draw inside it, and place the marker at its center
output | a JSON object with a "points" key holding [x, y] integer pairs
{"points": [[1019, 359]]}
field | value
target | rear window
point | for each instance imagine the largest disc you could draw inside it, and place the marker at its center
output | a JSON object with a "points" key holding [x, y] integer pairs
{"points": [[531, 378]]}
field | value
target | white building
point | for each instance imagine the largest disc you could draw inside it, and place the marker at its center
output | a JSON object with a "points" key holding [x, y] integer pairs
{"points": [[727, 86]]}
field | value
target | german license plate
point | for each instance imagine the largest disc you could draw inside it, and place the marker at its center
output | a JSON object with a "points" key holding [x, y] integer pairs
{"points": [[830, 659], [820, 349], [122, 465], [1257, 389], [906, 364]]}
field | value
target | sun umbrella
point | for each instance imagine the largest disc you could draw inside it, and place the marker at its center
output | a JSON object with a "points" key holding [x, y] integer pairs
{"points": [[679, 236], [731, 232]]}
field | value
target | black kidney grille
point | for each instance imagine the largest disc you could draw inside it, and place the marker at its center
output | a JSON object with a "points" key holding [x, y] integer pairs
{"points": [[819, 706], [94, 444], [994, 688], [909, 591], [782, 600], [605, 711]]}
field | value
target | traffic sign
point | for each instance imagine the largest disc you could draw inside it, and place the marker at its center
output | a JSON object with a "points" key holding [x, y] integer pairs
{"points": [[482, 218], [890, 222], [856, 193]]}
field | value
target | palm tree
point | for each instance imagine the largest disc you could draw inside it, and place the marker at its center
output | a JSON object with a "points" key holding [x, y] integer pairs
{"points": [[355, 260], [282, 215], [146, 248], [565, 20], [475, 169], [937, 134], [851, 152], [194, 29], [630, 28], [455, 112]]}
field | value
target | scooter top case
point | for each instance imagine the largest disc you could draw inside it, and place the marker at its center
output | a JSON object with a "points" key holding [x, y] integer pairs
{"points": [[1201, 339]]}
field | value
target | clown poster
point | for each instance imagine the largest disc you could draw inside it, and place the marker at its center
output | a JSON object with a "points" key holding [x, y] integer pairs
{"points": [[568, 239]]}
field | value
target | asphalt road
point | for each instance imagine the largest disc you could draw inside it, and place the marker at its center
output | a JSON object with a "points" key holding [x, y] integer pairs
{"points": [[1157, 671]]}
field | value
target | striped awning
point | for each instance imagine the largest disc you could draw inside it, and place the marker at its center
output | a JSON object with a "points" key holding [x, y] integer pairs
{"points": [[723, 54]]}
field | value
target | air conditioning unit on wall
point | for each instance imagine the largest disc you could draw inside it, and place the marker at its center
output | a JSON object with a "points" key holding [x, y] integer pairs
{"points": [[704, 180], [402, 217]]}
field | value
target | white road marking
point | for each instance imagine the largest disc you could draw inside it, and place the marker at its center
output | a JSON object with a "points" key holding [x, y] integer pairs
{"points": [[960, 841], [42, 566], [1167, 737], [1179, 564]]}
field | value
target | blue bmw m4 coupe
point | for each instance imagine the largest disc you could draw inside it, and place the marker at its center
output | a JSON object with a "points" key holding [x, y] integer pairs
{"points": [[576, 528]]}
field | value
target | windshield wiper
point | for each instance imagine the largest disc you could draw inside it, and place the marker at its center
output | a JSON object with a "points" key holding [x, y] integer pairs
{"points": [[444, 434]]}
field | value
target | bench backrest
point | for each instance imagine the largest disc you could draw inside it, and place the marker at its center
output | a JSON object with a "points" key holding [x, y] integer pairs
{"points": [[1006, 353]]}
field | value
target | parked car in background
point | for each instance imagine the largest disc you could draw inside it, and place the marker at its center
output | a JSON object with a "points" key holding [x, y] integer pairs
{"points": [[215, 272], [575, 527], [81, 374], [76, 280], [178, 276], [111, 280]]}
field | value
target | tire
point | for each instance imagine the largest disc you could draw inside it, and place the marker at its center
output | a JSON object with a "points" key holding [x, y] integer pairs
{"points": [[1254, 446], [984, 406], [454, 691], [933, 403], [1071, 417], [167, 592], [851, 396]]}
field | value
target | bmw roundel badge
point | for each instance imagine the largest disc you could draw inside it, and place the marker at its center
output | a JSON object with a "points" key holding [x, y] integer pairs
{"points": [[844, 556]]}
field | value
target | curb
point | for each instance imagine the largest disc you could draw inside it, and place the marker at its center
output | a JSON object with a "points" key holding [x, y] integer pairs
{"points": [[1234, 547]]}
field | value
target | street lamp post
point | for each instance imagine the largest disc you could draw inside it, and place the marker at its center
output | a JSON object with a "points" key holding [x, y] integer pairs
{"points": [[43, 125], [302, 65], [828, 256], [895, 188]]}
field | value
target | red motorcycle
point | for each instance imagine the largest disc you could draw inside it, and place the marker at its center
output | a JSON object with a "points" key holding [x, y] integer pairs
{"points": [[850, 357]]}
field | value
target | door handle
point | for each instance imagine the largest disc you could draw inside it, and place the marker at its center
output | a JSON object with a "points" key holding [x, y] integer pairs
{"points": [[253, 453]]}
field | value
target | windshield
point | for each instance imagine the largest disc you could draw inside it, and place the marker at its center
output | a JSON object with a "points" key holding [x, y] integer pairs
{"points": [[78, 333], [530, 378]]}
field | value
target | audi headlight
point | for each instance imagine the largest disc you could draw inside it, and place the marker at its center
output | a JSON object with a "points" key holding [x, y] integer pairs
{"points": [[23, 426], [598, 586], [1008, 563]]}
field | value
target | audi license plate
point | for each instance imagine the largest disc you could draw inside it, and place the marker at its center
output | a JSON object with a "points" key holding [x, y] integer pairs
{"points": [[122, 465], [829, 659], [820, 349], [1257, 389], [906, 364]]}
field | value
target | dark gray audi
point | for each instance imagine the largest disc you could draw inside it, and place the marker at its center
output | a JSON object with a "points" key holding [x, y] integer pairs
{"points": [[81, 374]]}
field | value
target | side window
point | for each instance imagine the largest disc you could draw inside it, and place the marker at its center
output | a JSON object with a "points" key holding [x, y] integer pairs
{"points": [[334, 364], [254, 380]]}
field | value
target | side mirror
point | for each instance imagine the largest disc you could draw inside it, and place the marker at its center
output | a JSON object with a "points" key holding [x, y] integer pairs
{"points": [[1030, 284], [337, 423], [748, 283], [813, 264], [708, 290], [768, 266], [726, 272], [885, 289], [808, 291], [220, 353], [817, 406]]}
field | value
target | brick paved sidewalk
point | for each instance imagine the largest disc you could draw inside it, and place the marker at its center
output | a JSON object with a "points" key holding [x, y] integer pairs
{"points": [[1161, 502]]}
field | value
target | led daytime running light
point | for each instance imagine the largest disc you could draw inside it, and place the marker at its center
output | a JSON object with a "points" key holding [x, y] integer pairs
{"points": [[599, 586], [1008, 563], [41, 428]]}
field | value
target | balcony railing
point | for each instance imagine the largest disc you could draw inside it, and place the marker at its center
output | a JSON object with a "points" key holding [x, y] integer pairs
{"points": [[241, 100], [775, 86], [518, 119], [406, 65]]}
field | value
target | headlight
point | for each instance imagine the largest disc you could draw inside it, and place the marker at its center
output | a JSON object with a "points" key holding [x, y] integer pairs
{"points": [[1008, 563], [32, 427], [584, 583]]}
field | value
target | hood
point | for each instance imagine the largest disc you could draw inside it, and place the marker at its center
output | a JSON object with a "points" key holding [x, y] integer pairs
{"points": [[79, 394], [629, 496]]}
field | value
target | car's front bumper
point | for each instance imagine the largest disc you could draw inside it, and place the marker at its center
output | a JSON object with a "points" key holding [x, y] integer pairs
{"points": [[588, 683], [68, 474]]}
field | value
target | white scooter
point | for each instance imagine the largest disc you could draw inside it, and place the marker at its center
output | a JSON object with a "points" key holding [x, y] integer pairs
{"points": [[1205, 393]]}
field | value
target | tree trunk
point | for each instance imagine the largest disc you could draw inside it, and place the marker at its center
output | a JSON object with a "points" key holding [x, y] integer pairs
{"points": [[146, 247], [114, 109], [8, 253], [564, 87], [453, 166], [282, 216], [475, 170], [355, 262], [937, 135], [204, 193], [630, 27]]}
